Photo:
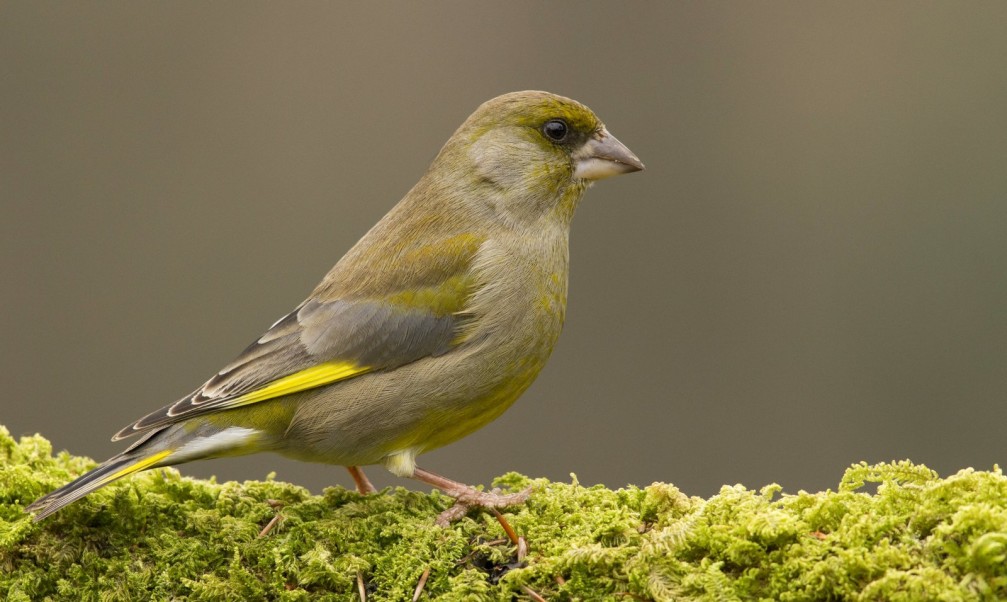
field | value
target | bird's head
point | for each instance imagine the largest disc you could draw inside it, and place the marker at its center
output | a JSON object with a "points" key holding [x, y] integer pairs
{"points": [[530, 153]]}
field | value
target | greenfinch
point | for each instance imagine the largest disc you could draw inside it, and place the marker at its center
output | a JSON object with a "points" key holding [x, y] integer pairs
{"points": [[431, 326]]}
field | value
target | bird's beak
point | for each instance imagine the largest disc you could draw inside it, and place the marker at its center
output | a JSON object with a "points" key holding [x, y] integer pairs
{"points": [[602, 157]]}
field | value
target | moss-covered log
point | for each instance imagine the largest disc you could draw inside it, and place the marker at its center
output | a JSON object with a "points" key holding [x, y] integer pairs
{"points": [[162, 536]]}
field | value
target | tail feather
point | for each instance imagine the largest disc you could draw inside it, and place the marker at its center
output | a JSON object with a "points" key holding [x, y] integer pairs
{"points": [[171, 445], [111, 470]]}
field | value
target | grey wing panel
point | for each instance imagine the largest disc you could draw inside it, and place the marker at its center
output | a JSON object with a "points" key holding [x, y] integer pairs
{"points": [[374, 334], [367, 333]]}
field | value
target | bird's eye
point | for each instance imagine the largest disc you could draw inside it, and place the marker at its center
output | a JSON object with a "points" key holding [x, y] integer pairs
{"points": [[556, 130]]}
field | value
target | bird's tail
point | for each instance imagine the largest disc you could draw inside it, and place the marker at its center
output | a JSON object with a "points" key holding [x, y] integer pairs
{"points": [[134, 459], [167, 446]]}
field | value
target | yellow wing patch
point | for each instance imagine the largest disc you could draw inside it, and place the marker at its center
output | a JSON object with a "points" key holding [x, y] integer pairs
{"points": [[309, 378]]}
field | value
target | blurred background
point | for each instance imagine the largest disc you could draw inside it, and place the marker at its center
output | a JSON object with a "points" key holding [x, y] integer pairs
{"points": [[811, 272]]}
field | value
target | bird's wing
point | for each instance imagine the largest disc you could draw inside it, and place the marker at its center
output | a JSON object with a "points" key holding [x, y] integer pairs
{"points": [[330, 338]]}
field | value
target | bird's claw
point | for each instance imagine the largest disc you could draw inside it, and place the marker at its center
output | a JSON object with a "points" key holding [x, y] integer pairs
{"points": [[468, 499], [492, 499]]}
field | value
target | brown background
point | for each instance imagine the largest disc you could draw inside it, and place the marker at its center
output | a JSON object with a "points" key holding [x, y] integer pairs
{"points": [[811, 272]]}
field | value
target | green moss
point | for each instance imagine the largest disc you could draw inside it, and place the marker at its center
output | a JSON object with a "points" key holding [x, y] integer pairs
{"points": [[162, 536]]}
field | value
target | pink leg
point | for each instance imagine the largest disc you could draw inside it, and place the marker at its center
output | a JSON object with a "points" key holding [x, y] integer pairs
{"points": [[364, 486]]}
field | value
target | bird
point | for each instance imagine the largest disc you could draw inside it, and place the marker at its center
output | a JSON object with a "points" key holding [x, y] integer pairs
{"points": [[426, 330]]}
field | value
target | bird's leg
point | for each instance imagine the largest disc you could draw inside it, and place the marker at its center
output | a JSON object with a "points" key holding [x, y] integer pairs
{"points": [[467, 497], [364, 486]]}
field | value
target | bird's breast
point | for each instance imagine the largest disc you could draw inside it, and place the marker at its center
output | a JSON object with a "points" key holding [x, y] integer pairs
{"points": [[521, 297]]}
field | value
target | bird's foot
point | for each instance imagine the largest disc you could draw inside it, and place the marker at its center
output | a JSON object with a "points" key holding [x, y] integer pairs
{"points": [[467, 498], [472, 498], [492, 499]]}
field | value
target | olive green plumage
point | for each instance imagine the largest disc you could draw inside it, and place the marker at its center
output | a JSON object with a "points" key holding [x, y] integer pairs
{"points": [[426, 330]]}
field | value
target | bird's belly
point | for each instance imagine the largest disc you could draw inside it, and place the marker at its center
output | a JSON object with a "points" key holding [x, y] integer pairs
{"points": [[420, 406]]}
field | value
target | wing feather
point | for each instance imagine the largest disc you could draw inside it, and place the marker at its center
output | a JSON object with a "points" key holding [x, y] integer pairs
{"points": [[323, 342]]}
